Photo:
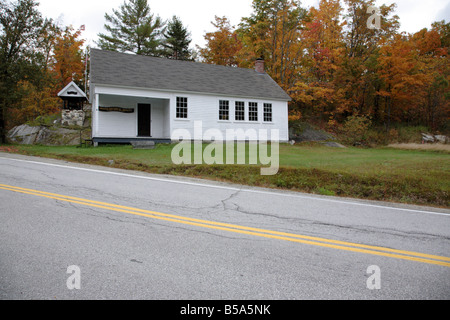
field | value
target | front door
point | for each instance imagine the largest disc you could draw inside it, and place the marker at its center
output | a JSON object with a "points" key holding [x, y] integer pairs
{"points": [[144, 119]]}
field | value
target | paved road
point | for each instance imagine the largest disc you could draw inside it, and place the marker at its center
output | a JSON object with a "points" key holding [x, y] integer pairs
{"points": [[139, 236]]}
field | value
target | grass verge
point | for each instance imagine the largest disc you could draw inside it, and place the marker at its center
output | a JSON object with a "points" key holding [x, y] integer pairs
{"points": [[406, 176]]}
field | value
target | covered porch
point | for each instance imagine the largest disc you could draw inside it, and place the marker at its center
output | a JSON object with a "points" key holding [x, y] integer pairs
{"points": [[125, 119]]}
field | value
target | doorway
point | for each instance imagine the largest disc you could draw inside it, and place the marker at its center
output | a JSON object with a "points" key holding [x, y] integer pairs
{"points": [[144, 120]]}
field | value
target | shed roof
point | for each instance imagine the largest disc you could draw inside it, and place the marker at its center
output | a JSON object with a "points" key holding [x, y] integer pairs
{"points": [[130, 70], [72, 91]]}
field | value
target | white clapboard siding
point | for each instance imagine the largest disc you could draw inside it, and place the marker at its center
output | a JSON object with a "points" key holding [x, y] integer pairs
{"points": [[201, 107]]}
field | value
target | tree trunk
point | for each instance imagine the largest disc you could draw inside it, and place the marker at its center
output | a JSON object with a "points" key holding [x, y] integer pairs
{"points": [[376, 106], [388, 113], [3, 103], [2, 123]]}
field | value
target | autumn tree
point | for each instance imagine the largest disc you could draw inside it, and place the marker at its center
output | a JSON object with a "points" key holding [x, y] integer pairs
{"points": [[272, 32], [36, 93], [357, 75], [316, 89], [400, 72], [133, 28], [339, 67], [361, 40], [58, 61], [34, 102], [439, 91], [432, 48], [222, 45], [21, 28], [68, 58]]}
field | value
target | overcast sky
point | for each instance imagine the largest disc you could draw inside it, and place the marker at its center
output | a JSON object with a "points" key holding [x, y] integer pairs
{"points": [[198, 14]]}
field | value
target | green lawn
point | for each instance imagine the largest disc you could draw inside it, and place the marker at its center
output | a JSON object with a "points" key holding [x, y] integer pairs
{"points": [[407, 176]]}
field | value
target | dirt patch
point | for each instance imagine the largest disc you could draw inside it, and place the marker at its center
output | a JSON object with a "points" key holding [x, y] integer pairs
{"points": [[419, 146]]}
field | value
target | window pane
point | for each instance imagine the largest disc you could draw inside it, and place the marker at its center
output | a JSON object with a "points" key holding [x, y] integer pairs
{"points": [[224, 110], [253, 111], [267, 112], [182, 108], [239, 114]]}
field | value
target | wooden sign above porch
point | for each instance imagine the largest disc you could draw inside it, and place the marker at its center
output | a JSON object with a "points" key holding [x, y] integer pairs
{"points": [[116, 109]]}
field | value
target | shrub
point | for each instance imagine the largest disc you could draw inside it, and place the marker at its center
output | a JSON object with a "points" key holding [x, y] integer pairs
{"points": [[376, 136], [44, 120], [355, 129], [411, 134], [393, 135]]}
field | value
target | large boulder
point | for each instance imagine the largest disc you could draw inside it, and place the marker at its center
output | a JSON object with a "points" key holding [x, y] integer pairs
{"points": [[441, 138], [302, 131], [25, 134], [430, 138]]}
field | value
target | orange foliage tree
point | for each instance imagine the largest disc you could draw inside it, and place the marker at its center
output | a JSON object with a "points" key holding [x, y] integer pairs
{"points": [[68, 58], [272, 32], [316, 89], [60, 61], [222, 45], [35, 102], [337, 66], [432, 47]]}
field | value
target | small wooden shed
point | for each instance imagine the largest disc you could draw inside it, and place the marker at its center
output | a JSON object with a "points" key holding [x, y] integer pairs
{"points": [[73, 97]]}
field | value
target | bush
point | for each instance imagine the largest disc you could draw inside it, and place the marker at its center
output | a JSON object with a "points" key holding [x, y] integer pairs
{"points": [[411, 134], [376, 136], [399, 134], [393, 136], [355, 129], [44, 120]]}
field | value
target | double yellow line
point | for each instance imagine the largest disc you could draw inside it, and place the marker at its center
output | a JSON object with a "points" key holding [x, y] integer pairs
{"points": [[322, 242]]}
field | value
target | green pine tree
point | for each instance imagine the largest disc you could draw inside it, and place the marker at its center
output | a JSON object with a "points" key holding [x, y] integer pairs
{"points": [[177, 40], [133, 28]]}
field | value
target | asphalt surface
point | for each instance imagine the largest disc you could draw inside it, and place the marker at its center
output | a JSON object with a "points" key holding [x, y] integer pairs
{"points": [[245, 243]]}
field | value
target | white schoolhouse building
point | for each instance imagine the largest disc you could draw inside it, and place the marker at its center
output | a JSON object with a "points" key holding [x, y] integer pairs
{"points": [[138, 97]]}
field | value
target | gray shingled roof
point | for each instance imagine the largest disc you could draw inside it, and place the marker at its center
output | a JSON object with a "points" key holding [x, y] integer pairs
{"points": [[129, 70]]}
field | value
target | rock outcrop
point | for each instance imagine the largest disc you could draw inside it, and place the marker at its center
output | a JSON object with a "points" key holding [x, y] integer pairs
{"points": [[25, 134], [431, 138], [302, 131]]}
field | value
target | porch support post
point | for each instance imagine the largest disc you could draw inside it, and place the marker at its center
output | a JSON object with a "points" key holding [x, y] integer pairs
{"points": [[95, 115]]}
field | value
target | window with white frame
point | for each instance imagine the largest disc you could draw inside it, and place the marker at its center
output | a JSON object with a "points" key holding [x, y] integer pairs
{"points": [[267, 112], [182, 108], [224, 110], [239, 111], [252, 111]]}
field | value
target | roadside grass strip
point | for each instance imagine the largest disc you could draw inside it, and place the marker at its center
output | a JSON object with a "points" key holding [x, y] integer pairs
{"points": [[304, 239]]}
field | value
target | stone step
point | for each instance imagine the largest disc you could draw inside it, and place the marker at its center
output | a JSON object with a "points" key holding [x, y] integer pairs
{"points": [[143, 144]]}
